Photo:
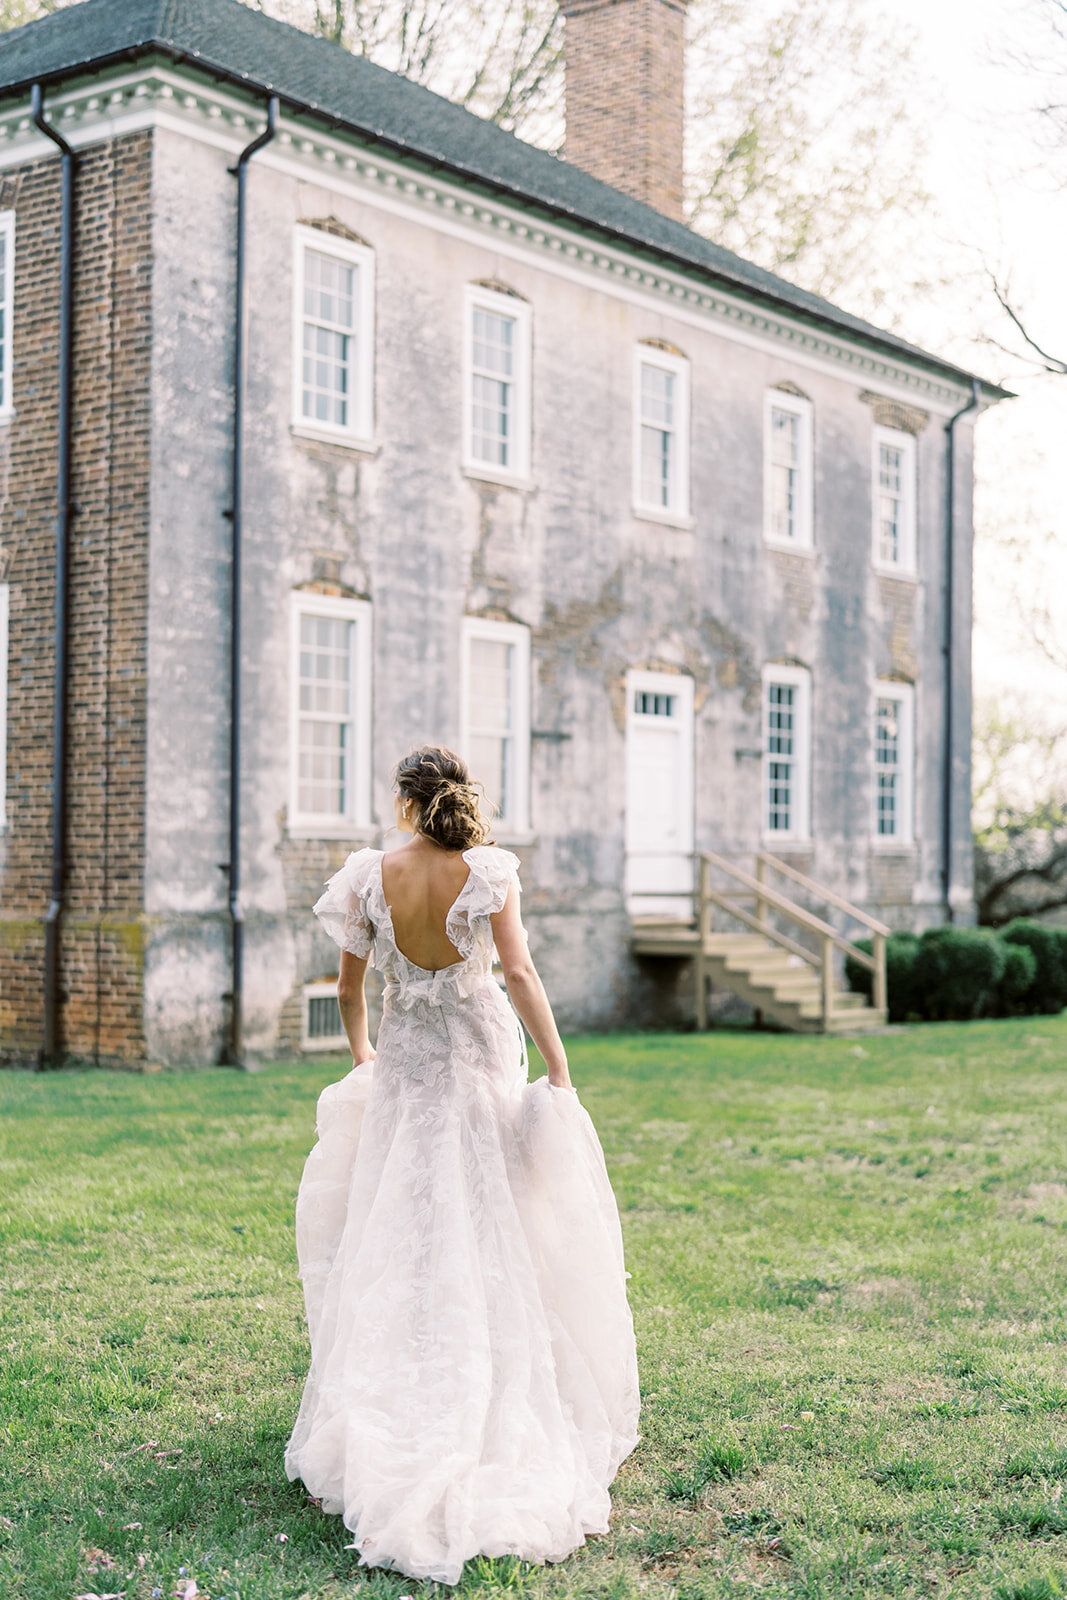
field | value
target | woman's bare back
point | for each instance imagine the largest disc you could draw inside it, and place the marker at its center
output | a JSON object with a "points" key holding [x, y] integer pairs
{"points": [[420, 883]]}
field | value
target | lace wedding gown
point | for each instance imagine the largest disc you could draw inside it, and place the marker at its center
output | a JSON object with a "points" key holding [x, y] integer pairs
{"points": [[473, 1379]]}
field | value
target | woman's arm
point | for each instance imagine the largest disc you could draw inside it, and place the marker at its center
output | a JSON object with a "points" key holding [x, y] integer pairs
{"points": [[352, 1003], [527, 991]]}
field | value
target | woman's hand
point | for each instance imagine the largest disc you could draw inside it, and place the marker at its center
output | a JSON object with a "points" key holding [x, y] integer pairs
{"points": [[364, 1053]]}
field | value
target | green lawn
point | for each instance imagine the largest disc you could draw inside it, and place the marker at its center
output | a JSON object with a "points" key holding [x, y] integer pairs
{"points": [[849, 1272]]}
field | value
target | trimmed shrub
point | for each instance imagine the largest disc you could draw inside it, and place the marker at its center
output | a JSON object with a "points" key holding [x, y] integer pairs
{"points": [[900, 952], [957, 973], [1020, 970], [1048, 989]]}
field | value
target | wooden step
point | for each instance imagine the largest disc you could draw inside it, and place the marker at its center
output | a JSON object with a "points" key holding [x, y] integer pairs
{"points": [[780, 985], [857, 1019], [737, 944]]}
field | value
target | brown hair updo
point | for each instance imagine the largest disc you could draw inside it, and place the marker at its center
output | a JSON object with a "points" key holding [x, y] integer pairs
{"points": [[439, 782]]}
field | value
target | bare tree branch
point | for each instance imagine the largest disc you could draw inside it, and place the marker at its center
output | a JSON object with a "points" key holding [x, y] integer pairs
{"points": [[1050, 363]]}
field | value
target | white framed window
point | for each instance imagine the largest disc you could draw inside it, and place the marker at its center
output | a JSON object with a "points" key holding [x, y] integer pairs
{"points": [[893, 498], [4, 591], [321, 1027], [894, 763], [7, 311], [495, 715], [661, 435], [786, 753], [496, 385], [333, 337], [787, 470], [330, 714]]}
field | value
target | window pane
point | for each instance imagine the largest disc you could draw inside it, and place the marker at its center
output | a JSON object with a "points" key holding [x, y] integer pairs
{"points": [[329, 289], [785, 472], [489, 765], [492, 388], [322, 773], [887, 767], [781, 766], [325, 732], [657, 396], [655, 467], [328, 360], [657, 436], [494, 343], [650, 704], [890, 502], [491, 420], [491, 717]]}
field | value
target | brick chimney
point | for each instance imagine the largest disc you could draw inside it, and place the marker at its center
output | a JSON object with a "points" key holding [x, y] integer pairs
{"points": [[625, 66]]}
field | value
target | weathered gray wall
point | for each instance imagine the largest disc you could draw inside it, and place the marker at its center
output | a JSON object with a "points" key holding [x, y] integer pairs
{"points": [[601, 590]]}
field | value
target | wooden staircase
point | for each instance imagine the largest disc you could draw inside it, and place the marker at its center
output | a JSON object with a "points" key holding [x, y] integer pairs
{"points": [[780, 976]]}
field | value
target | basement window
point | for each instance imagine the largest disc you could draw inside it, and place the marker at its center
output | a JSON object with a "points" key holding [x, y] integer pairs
{"points": [[786, 753], [7, 306], [321, 1026], [329, 714], [661, 435], [333, 334]]}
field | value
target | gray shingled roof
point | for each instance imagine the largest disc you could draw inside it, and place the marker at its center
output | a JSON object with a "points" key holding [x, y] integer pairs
{"points": [[309, 74]]}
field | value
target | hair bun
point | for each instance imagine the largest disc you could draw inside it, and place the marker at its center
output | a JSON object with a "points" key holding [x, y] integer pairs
{"points": [[449, 806]]}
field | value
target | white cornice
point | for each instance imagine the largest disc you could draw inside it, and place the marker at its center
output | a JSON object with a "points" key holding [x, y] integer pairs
{"points": [[184, 101]]}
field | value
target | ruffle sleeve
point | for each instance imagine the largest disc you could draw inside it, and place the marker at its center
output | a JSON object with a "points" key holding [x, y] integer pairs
{"points": [[341, 908], [493, 872]]}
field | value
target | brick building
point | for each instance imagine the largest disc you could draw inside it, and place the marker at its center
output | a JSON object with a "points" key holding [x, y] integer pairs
{"points": [[659, 539]]}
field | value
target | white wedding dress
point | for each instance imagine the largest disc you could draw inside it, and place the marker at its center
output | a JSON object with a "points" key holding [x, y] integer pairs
{"points": [[473, 1380]]}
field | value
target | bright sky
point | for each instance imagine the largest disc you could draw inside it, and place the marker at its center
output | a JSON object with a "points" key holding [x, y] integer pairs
{"points": [[983, 152]]}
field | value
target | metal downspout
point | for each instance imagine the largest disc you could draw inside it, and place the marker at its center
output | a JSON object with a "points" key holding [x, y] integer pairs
{"points": [[948, 647], [52, 1049], [234, 1053]]}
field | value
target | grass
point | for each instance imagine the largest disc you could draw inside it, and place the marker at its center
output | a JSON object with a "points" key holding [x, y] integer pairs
{"points": [[849, 1266]]}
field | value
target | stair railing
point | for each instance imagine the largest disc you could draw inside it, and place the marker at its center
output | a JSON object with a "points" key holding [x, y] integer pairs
{"points": [[755, 887]]}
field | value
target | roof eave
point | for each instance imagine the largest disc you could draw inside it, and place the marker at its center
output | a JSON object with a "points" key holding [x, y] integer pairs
{"points": [[991, 392]]}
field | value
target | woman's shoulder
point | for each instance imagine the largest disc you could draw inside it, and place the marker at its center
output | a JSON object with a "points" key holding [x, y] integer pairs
{"points": [[492, 858], [493, 871]]}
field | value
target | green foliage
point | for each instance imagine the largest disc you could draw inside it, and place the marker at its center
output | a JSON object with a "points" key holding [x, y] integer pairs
{"points": [[1017, 979], [957, 973], [1048, 989], [900, 952], [954, 974]]}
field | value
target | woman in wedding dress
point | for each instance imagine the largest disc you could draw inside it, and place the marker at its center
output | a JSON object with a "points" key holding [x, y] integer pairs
{"points": [[473, 1379]]}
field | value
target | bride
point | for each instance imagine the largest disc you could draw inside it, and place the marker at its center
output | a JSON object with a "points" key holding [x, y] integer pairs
{"points": [[473, 1378]]}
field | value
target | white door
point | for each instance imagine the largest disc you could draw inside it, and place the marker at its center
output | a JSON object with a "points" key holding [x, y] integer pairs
{"points": [[659, 794]]}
